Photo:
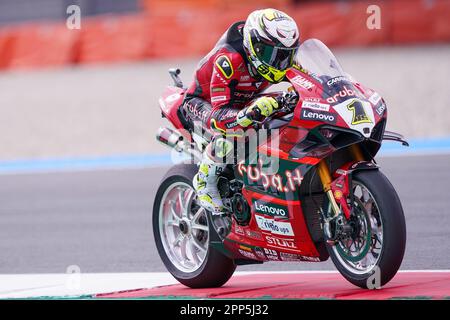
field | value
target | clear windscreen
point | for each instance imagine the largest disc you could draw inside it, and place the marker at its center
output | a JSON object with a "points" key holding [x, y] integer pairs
{"points": [[320, 62], [315, 57]]}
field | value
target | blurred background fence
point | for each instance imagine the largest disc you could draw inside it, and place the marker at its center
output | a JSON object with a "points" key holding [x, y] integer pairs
{"points": [[33, 33], [93, 91]]}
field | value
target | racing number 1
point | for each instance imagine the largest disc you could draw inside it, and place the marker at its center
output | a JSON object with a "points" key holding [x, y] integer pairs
{"points": [[359, 114]]}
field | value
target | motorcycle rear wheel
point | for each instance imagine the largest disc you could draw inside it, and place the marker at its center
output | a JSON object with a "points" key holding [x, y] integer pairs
{"points": [[181, 232], [371, 256]]}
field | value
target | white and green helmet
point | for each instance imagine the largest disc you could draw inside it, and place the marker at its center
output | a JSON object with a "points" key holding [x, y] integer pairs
{"points": [[271, 40]]}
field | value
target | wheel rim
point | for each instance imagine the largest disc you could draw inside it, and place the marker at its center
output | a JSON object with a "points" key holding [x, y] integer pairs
{"points": [[183, 228], [360, 252]]}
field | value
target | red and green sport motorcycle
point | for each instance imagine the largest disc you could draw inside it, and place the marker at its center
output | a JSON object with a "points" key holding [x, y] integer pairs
{"points": [[326, 199]]}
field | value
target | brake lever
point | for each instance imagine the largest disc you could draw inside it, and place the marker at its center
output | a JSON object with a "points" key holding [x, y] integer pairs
{"points": [[260, 124], [288, 100]]}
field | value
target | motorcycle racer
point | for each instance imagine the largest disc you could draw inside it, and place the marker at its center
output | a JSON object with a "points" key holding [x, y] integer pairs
{"points": [[247, 59]]}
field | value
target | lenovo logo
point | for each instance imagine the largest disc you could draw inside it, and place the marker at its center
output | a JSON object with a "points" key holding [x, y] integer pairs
{"points": [[318, 116]]}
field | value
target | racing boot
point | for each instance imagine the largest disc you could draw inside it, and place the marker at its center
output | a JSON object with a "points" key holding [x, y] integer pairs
{"points": [[205, 184]]}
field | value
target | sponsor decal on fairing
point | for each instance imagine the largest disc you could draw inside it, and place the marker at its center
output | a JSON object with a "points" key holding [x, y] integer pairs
{"points": [[380, 110], [281, 243], [312, 99], [270, 209], [375, 98], [260, 254], [316, 106], [289, 257], [271, 254], [335, 80], [256, 174], [295, 257], [359, 113], [318, 116], [344, 93], [359, 117], [273, 226], [247, 254], [253, 234], [303, 82], [239, 230]]}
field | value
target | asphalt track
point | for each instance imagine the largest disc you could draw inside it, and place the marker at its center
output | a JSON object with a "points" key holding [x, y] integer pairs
{"points": [[100, 221]]}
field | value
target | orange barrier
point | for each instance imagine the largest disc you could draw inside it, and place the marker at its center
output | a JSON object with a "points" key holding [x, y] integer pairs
{"points": [[429, 24], [158, 7], [181, 28], [336, 23], [343, 24], [168, 36], [111, 39], [6, 45], [34, 45]]}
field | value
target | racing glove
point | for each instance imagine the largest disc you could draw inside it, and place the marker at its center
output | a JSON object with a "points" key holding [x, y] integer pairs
{"points": [[263, 106]]}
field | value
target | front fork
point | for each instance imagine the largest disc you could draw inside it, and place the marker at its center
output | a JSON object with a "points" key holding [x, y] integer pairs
{"points": [[336, 192]]}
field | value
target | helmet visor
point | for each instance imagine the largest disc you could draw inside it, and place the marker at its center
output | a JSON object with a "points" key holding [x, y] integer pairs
{"points": [[276, 57]]}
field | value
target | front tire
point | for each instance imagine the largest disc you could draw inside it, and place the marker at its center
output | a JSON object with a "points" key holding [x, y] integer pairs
{"points": [[181, 232], [382, 246]]}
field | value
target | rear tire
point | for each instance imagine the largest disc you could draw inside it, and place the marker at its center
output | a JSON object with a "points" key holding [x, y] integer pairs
{"points": [[215, 269], [393, 233]]}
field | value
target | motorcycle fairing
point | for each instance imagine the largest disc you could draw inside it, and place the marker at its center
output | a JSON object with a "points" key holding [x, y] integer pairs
{"points": [[252, 241], [264, 238], [273, 192], [169, 103]]}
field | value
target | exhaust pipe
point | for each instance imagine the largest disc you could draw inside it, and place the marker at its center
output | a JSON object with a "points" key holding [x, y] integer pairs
{"points": [[169, 137], [176, 141]]}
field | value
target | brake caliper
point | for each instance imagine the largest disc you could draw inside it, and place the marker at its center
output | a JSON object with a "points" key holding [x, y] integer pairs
{"points": [[341, 191]]}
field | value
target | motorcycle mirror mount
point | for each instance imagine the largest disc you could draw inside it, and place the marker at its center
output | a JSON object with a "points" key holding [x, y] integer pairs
{"points": [[175, 74]]}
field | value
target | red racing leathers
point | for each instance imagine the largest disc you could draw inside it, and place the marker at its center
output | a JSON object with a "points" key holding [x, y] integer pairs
{"points": [[224, 83]]}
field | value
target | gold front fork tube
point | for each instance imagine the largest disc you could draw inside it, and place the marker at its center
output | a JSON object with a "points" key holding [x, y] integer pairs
{"points": [[325, 177], [356, 152]]}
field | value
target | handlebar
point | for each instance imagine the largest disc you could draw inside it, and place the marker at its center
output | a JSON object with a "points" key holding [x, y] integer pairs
{"points": [[287, 100]]}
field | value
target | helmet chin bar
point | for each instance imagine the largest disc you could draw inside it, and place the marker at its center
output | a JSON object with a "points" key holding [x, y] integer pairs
{"points": [[269, 73]]}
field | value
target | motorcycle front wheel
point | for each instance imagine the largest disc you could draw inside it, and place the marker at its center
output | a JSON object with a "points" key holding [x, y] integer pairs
{"points": [[370, 256], [181, 231]]}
